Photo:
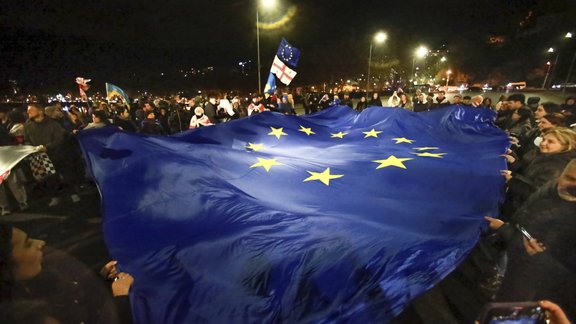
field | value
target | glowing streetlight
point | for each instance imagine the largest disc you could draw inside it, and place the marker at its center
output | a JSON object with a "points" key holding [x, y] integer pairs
{"points": [[419, 53], [266, 4], [443, 59], [379, 38], [569, 36], [552, 50], [547, 74]]}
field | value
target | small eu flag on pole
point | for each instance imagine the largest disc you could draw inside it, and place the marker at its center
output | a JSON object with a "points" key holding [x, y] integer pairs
{"points": [[287, 53]]}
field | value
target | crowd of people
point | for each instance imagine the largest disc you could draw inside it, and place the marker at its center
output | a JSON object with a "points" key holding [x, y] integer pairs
{"points": [[529, 245]]}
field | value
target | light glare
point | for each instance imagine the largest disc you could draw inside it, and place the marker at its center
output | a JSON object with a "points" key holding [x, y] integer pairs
{"points": [[268, 3], [421, 51], [380, 37]]}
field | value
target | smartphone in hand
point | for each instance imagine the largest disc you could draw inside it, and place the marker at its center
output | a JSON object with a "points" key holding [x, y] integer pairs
{"points": [[513, 313], [524, 232]]}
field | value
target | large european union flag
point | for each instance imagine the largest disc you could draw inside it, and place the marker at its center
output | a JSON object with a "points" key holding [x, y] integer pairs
{"points": [[334, 217]]}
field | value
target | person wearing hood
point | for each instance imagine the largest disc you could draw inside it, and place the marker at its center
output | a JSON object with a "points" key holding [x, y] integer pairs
{"points": [[199, 119], [420, 104]]}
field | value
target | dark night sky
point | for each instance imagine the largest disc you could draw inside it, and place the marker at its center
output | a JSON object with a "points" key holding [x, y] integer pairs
{"points": [[45, 44]]}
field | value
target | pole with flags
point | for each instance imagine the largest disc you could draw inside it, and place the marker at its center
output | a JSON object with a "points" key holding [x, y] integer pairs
{"points": [[285, 60]]}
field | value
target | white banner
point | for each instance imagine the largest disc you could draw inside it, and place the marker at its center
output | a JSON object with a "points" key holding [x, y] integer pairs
{"points": [[11, 155]]}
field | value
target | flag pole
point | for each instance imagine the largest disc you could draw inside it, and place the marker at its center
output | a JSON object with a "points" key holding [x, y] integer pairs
{"points": [[258, 46]]}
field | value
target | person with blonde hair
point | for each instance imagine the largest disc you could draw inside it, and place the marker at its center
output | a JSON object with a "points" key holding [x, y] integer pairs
{"points": [[405, 102], [557, 148], [476, 101]]}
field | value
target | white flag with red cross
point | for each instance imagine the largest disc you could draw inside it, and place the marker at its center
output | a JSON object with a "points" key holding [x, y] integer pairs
{"points": [[282, 71]]}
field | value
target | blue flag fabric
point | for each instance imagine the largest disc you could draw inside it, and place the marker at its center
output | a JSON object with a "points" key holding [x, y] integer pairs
{"points": [[287, 53], [334, 217], [114, 91], [270, 85]]}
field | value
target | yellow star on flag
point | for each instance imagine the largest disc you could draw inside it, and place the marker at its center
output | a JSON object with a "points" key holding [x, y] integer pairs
{"points": [[254, 147], [277, 132], [265, 163], [392, 161], [427, 154], [402, 140], [338, 135], [372, 133], [325, 176], [308, 131], [427, 148]]}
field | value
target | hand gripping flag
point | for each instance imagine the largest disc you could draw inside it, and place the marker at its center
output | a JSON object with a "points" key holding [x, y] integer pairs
{"points": [[335, 217], [287, 53], [282, 71], [270, 85], [114, 91]]}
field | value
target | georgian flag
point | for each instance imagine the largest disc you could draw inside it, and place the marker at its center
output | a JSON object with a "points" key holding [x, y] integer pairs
{"points": [[282, 71], [83, 86]]}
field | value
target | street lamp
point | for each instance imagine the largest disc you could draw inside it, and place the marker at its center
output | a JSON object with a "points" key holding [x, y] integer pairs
{"points": [[547, 73], [419, 53], [265, 4], [379, 38], [552, 50], [448, 78], [569, 35]]}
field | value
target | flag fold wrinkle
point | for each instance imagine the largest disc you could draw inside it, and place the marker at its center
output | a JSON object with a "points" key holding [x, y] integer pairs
{"points": [[338, 216]]}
